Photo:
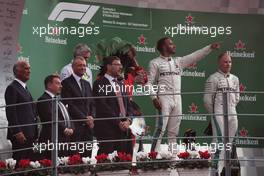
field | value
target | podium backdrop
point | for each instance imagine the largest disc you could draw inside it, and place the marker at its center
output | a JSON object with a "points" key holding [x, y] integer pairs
{"points": [[50, 30]]}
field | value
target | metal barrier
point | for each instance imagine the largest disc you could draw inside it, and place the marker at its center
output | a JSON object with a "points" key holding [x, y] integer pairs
{"points": [[54, 168]]}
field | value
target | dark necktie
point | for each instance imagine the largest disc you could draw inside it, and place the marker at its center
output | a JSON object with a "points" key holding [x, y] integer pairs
{"points": [[28, 92], [82, 87]]}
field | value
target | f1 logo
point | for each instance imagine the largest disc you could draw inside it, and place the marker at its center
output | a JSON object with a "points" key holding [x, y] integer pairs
{"points": [[82, 12]]}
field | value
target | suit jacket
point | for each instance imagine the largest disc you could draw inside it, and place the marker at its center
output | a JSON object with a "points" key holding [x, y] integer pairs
{"points": [[108, 108], [20, 114], [45, 113], [78, 108]]}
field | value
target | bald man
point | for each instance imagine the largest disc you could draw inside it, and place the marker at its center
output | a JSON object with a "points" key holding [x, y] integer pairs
{"points": [[16, 92]]}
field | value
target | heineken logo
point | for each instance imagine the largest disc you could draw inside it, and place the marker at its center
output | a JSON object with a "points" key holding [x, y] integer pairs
{"points": [[243, 140], [141, 47], [240, 51], [246, 97], [193, 116]]}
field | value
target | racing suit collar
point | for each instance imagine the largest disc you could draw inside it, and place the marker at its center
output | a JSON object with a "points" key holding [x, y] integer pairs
{"points": [[166, 58], [226, 75]]}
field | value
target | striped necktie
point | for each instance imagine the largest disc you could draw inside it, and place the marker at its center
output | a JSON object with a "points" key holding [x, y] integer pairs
{"points": [[65, 114], [120, 100]]}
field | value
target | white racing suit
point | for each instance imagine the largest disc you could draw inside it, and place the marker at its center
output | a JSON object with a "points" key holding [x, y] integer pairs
{"points": [[213, 100], [166, 74]]}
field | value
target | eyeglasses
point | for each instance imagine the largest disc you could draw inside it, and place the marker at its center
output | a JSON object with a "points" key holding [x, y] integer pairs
{"points": [[117, 64]]}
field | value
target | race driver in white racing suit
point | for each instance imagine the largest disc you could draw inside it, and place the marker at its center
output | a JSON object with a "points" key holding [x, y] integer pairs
{"points": [[165, 72], [220, 81]]}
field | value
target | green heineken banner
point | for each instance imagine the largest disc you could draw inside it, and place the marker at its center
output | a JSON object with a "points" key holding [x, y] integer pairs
{"points": [[50, 30]]}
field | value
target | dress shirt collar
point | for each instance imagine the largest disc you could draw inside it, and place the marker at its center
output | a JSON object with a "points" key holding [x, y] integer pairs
{"points": [[76, 77], [50, 94], [109, 77], [21, 83]]}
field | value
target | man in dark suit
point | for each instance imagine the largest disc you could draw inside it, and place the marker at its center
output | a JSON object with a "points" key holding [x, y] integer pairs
{"points": [[65, 127], [16, 92], [80, 107], [112, 129]]}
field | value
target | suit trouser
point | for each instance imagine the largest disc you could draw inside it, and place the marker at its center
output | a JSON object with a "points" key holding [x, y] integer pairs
{"points": [[218, 130], [83, 135], [124, 145], [171, 111]]}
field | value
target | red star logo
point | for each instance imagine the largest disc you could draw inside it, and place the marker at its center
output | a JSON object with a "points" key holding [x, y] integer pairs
{"points": [[193, 108], [193, 66], [243, 132], [19, 48], [142, 40], [189, 19], [242, 88], [240, 45]]}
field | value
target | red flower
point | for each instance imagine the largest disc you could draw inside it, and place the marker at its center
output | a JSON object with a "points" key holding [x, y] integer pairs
{"points": [[101, 158], [24, 163], [129, 157], [153, 155], [75, 159], [204, 155], [2, 165], [123, 157], [45, 162], [184, 155]]}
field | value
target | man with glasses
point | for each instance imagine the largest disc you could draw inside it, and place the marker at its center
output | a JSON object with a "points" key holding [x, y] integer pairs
{"points": [[114, 110]]}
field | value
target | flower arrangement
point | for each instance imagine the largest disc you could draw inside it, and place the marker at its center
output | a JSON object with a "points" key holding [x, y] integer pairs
{"points": [[74, 164], [193, 159], [153, 160], [113, 161], [77, 164], [9, 166]]}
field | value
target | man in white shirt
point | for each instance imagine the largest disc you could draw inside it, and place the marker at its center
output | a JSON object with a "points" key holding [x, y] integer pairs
{"points": [[80, 50]]}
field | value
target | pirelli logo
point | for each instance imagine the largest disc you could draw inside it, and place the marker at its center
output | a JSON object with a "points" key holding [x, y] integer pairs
{"points": [[82, 12]]}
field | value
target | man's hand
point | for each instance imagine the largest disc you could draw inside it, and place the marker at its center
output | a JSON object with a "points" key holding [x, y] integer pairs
{"points": [[68, 131], [215, 45], [90, 121], [156, 103], [124, 125], [20, 137]]}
